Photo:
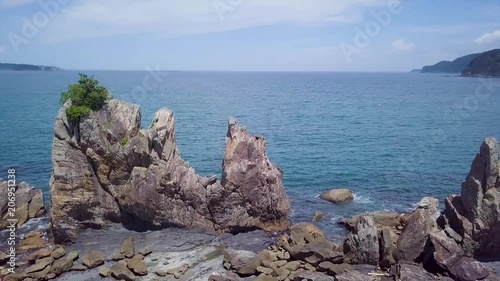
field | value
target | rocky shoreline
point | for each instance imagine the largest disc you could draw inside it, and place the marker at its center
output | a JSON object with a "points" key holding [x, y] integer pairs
{"points": [[125, 206]]}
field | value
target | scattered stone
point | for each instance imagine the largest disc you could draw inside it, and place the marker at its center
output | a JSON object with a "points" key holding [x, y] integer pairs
{"points": [[117, 257], [94, 259], [62, 265], [265, 270], [78, 267], [161, 272], [243, 262], [120, 271], [138, 266], [104, 271], [338, 195], [146, 251], [42, 253], [73, 255], [58, 252], [127, 248], [292, 266], [38, 266], [33, 240]]}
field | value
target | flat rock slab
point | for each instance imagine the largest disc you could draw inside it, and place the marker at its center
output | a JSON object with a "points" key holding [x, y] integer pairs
{"points": [[191, 254]]}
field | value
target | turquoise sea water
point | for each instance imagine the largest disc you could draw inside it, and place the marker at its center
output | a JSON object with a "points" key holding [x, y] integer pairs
{"points": [[390, 137]]}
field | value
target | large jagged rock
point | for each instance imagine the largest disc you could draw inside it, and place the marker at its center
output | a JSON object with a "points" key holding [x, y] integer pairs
{"points": [[362, 245], [415, 234], [107, 169], [28, 203], [475, 214]]}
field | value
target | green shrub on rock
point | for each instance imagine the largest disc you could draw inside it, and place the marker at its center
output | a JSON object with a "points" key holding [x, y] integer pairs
{"points": [[85, 96]]}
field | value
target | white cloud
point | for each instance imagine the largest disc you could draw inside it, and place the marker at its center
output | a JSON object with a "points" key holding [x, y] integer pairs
{"points": [[488, 37], [7, 4], [103, 18], [450, 29], [402, 45]]}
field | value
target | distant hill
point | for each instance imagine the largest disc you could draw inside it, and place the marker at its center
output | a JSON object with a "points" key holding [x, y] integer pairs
{"points": [[456, 66], [485, 64], [26, 67], [416, 70]]}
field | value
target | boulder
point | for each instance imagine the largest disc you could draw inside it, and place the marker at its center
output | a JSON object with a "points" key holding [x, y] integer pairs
{"points": [[308, 243], [127, 248], [362, 245], [340, 195], [42, 253], [467, 269], [94, 259], [29, 203], [58, 252], [387, 248], [243, 262], [474, 214], [304, 233], [120, 271], [137, 266], [420, 225], [446, 251], [125, 174], [62, 265]]}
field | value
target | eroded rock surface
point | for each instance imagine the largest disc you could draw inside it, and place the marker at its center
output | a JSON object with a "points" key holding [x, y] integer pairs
{"points": [[107, 169]]}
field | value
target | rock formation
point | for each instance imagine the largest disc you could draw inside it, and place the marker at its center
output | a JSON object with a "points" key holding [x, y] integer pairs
{"points": [[107, 169], [341, 195], [29, 204], [475, 214]]}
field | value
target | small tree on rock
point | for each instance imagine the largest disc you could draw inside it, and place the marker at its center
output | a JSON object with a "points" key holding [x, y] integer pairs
{"points": [[85, 96]]}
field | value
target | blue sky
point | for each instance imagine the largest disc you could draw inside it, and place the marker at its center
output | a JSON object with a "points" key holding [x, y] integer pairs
{"points": [[267, 35]]}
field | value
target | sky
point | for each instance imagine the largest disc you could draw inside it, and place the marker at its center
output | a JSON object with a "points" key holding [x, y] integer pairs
{"points": [[245, 35]]}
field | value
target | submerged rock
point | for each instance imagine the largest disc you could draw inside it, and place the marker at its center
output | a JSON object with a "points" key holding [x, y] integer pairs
{"points": [[341, 195], [107, 169]]}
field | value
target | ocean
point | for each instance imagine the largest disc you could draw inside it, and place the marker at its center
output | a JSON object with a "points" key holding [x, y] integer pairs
{"points": [[390, 137]]}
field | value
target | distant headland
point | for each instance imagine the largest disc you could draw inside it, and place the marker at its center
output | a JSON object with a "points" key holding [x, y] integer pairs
{"points": [[26, 67], [481, 64]]}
